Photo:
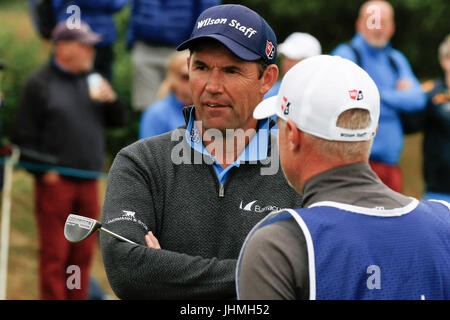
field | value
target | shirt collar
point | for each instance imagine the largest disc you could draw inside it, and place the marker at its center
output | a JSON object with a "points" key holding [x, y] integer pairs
{"points": [[361, 41], [63, 70], [256, 150], [323, 185]]}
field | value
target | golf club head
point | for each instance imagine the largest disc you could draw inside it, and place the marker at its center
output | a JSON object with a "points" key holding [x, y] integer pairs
{"points": [[78, 228]]}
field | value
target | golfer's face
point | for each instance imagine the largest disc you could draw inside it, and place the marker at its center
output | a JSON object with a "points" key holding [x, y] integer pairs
{"points": [[225, 89]]}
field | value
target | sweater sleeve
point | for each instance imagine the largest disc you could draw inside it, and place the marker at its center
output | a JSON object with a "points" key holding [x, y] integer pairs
{"points": [[409, 100], [139, 272], [115, 114], [106, 5], [27, 124]]}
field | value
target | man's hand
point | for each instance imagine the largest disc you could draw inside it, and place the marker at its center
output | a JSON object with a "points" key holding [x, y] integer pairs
{"points": [[151, 241], [105, 93], [403, 84]]}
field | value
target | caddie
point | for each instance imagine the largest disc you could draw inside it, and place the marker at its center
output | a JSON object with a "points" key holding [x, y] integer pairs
{"points": [[355, 238]]}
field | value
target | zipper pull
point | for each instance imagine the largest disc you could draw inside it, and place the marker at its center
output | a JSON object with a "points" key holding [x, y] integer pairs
{"points": [[221, 191]]}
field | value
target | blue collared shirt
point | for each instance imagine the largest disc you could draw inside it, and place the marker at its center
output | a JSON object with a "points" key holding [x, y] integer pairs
{"points": [[162, 116], [256, 150]]}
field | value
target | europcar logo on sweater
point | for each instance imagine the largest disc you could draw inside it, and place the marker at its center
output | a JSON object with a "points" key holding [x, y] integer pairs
{"points": [[253, 207]]}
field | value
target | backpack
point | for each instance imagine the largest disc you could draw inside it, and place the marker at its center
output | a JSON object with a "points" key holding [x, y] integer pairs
{"points": [[411, 121]]}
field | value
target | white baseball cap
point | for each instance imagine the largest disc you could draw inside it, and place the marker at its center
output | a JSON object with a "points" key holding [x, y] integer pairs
{"points": [[300, 45], [315, 91]]}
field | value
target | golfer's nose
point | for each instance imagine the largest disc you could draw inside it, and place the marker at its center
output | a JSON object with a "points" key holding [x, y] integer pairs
{"points": [[214, 84]]}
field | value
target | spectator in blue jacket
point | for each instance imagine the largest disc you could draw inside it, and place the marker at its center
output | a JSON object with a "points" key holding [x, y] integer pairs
{"points": [[166, 114], [156, 27], [98, 15], [400, 90]]}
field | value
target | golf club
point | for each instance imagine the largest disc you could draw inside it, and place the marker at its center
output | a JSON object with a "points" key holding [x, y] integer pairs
{"points": [[77, 228]]}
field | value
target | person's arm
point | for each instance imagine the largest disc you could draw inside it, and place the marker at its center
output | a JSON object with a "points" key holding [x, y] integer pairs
{"points": [[205, 4], [116, 113], [27, 124], [408, 95], [98, 5], [274, 264], [115, 110], [139, 272]]}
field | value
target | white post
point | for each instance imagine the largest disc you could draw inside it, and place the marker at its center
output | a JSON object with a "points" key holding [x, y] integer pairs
{"points": [[6, 213]]}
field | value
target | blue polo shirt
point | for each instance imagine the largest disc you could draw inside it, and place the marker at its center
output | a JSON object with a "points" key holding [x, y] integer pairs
{"points": [[162, 116], [256, 150]]}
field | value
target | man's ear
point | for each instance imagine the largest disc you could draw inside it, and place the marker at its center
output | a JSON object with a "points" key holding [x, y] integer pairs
{"points": [[269, 77], [294, 135], [188, 59]]}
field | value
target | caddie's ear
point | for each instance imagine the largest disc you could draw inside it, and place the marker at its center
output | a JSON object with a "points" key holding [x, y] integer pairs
{"points": [[269, 77], [294, 135]]}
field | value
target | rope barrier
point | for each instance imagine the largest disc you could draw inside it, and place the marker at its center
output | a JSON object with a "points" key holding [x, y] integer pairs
{"points": [[65, 171]]}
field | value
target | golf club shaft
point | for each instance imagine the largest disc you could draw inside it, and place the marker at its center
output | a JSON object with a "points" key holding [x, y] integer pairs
{"points": [[115, 235]]}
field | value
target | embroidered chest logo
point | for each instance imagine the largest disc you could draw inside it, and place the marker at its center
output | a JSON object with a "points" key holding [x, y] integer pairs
{"points": [[252, 206]]}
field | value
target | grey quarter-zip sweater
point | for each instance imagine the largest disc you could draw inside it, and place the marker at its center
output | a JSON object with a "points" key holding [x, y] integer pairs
{"points": [[200, 224]]}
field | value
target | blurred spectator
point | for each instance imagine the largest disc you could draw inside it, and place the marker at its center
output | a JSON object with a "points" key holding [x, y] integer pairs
{"points": [[156, 28], [399, 88], [166, 114], [436, 126], [294, 49], [61, 120], [98, 15]]}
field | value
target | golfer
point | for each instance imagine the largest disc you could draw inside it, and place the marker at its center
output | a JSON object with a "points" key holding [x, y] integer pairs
{"points": [[190, 196], [355, 238]]}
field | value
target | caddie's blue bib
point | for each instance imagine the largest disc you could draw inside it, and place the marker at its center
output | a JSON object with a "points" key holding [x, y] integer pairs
{"points": [[361, 253]]}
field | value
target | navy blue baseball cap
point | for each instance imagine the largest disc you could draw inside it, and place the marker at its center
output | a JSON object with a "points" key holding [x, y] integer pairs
{"points": [[240, 29]]}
